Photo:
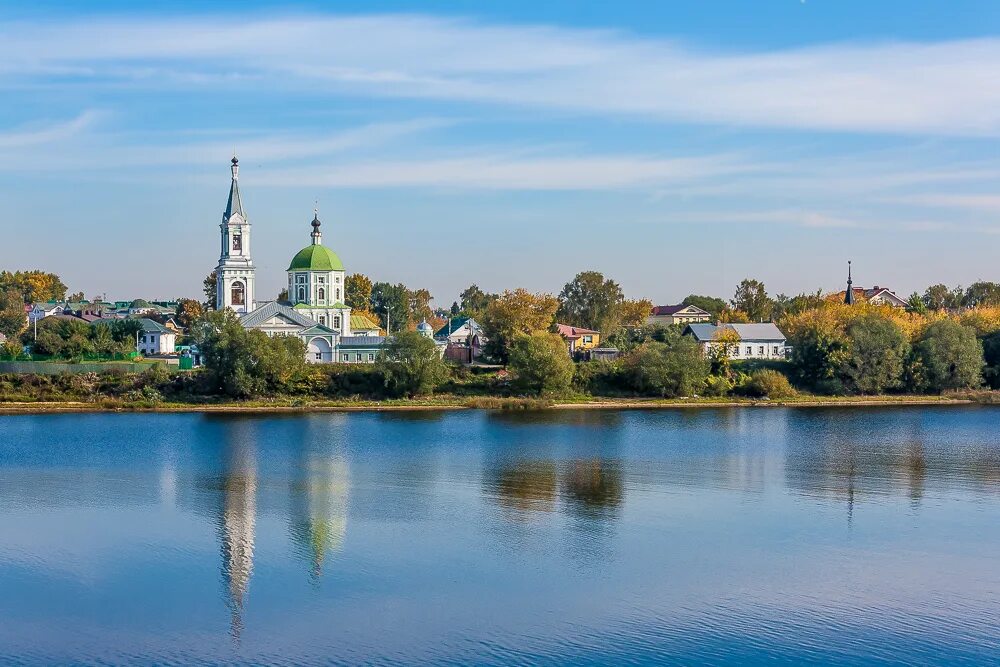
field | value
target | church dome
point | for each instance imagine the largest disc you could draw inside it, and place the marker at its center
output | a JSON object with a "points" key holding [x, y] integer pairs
{"points": [[316, 258]]}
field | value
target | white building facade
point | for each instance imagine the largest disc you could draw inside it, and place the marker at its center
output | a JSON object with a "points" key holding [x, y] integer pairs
{"points": [[234, 275]]}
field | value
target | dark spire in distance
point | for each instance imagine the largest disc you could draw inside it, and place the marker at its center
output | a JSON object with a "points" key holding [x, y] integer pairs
{"points": [[849, 296]]}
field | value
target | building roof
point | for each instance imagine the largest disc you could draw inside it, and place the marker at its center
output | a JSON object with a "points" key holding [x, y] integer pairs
{"points": [[454, 324], [306, 306], [764, 331], [140, 303], [235, 202], [316, 257], [364, 321], [360, 342], [266, 311], [670, 310], [567, 331], [150, 326]]}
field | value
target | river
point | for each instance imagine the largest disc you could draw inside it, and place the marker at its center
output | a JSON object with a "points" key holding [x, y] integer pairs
{"points": [[710, 536]]}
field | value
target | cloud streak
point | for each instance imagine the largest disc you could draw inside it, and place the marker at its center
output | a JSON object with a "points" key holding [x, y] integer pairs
{"points": [[945, 88]]}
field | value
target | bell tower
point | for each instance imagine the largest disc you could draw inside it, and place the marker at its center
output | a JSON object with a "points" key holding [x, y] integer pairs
{"points": [[235, 272]]}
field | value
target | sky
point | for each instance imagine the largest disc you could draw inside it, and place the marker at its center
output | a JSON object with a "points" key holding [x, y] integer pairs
{"points": [[677, 147]]}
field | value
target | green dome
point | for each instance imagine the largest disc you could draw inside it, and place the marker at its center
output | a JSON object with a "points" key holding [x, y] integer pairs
{"points": [[316, 258]]}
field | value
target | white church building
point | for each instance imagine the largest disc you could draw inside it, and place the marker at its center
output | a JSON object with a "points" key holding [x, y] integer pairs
{"points": [[315, 311]]}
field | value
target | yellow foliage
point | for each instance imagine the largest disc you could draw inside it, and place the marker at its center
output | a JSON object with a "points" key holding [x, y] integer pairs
{"points": [[635, 311], [836, 316]]}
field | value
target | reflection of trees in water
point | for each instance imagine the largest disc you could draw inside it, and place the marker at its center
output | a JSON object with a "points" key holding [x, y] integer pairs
{"points": [[523, 485], [318, 519], [555, 417], [238, 484], [593, 487]]}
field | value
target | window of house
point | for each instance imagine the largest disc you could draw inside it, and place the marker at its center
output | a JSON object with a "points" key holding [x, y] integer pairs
{"points": [[319, 356], [371, 356], [749, 351], [346, 357], [322, 320], [358, 358], [760, 351], [321, 294], [302, 294], [775, 350], [588, 339]]}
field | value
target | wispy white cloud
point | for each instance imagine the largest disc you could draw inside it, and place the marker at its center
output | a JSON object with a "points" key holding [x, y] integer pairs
{"points": [[36, 134], [942, 88], [974, 202]]}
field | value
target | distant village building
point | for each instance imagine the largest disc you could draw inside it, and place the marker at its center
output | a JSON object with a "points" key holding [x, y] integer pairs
{"points": [[578, 339], [749, 341], [877, 296], [155, 339], [679, 314]]}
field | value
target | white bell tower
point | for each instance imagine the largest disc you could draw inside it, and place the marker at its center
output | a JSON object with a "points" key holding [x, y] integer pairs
{"points": [[235, 272]]}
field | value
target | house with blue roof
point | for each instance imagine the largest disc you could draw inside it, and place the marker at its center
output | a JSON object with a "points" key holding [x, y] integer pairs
{"points": [[744, 341]]}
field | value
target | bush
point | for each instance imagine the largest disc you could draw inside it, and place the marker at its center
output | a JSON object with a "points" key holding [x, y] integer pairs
{"points": [[410, 365], [948, 356], [541, 364], [877, 349], [769, 384], [666, 370]]}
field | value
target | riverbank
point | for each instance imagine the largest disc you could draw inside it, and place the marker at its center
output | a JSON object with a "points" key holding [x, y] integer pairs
{"points": [[459, 403]]}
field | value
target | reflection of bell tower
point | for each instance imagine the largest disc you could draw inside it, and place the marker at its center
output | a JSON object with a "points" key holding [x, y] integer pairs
{"points": [[234, 276], [319, 518], [237, 527]]}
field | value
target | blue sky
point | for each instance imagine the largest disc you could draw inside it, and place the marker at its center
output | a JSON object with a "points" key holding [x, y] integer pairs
{"points": [[676, 146]]}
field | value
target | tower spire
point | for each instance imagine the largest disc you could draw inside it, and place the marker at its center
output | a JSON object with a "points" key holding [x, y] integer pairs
{"points": [[235, 203], [849, 296], [317, 236]]}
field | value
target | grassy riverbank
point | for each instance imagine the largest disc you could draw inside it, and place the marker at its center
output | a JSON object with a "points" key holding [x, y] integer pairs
{"points": [[446, 402]]}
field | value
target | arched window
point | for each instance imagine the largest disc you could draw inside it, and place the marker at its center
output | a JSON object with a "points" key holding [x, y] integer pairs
{"points": [[238, 294], [321, 294], [302, 295]]}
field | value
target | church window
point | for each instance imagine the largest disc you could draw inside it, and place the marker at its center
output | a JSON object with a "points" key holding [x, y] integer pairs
{"points": [[300, 278], [319, 356], [338, 294], [321, 280], [337, 279], [302, 294], [237, 242], [336, 321], [238, 294], [322, 320], [322, 294]]}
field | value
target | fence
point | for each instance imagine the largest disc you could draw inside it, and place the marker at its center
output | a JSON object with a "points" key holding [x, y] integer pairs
{"points": [[55, 368]]}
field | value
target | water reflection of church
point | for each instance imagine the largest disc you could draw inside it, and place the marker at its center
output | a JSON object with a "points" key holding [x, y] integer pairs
{"points": [[317, 512]]}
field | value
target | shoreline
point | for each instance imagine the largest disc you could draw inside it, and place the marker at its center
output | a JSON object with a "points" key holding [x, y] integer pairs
{"points": [[81, 407]]}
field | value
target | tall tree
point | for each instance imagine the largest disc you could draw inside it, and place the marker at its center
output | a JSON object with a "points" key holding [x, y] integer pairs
{"points": [[420, 305], [541, 363], [981, 293], [941, 297], [391, 304], [591, 301], [411, 365], [13, 319], [713, 305], [635, 311], [75, 297], [876, 352], [34, 286], [514, 313], [211, 289], [358, 291], [188, 310], [475, 301], [947, 356], [752, 299]]}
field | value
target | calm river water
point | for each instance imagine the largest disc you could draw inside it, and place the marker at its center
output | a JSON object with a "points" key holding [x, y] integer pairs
{"points": [[717, 536]]}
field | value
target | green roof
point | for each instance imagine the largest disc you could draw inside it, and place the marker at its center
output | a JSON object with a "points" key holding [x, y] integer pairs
{"points": [[316, 258]]}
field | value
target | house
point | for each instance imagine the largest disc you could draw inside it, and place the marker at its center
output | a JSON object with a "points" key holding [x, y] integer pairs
{"points": [[747, 341], [679, 314], [579, 339], [40, 311], [877, 296], [154, 338], [458, 329]]}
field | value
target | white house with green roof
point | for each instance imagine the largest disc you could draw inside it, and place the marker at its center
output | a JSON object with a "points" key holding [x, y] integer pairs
{"points": [[316, 279]]}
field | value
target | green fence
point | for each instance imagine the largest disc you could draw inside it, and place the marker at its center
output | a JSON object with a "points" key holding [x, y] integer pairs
{"points": [[55, 367]]}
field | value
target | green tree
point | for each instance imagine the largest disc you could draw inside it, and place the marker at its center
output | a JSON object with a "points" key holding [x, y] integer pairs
{"points": [[34, 286], [541, 364], [793, 305], [410, 364], [817, 355], [475, 301], [75, 297], [211, 288], [659, 369], [991, 355], [916, 304], [419, 301], [358, 291], [949, 356], [942, 297], [391, 304], [242, 363], [752, 299], [981, 293], [592, 302], [635, 311], [13, 319], [455, 309], [877, 349], [516, 313], [714, 306]]}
